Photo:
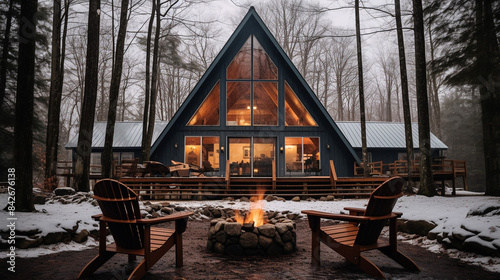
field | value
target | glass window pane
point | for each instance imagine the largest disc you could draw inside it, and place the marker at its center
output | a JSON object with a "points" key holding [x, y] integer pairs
{"points": [[295, 112], [241, 66], [293, 154], [210, 154], [95, 163], [263, 66], [239, 156], [192, 150], [238, 103], [265, 103], [263, 156], [311, 154], [208, 112]]}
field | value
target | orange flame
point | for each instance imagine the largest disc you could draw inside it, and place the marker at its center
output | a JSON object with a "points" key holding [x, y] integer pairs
{"points": [[256, 213]]}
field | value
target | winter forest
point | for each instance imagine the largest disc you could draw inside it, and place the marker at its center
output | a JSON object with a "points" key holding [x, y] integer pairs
{"points": [[148, 55]]}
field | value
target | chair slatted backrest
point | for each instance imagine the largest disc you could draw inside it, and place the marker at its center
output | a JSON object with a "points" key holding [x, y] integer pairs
{"points": [[381, 203], [120, 203]]}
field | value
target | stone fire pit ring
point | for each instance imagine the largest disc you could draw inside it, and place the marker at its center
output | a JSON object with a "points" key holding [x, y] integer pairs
{"points": [[232, 238]]}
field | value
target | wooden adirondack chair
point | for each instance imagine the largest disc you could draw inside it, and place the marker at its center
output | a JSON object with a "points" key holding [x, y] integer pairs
{"points": [[363, 229], [132, 234]]}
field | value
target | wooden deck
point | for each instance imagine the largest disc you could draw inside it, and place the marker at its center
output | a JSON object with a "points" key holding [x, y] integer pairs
{"points": [[218, 187], [200, 188]]}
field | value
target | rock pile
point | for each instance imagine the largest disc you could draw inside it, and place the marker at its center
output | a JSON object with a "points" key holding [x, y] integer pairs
{"points": [[232, 238], [464, 238], [35, 238]]}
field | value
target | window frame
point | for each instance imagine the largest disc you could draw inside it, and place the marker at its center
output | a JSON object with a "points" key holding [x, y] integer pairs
{"points": [[252, 80]]}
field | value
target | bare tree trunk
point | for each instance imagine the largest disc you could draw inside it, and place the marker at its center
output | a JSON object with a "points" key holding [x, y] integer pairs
{"points": [[405, 95], [435, 107], [364, 149], [145, 153], [489, 88], [340, 105], [426, 181], [5, 52], [154, 81], [56, 82], [154, 85], [107, 155], [84, 147], [23, 129]]}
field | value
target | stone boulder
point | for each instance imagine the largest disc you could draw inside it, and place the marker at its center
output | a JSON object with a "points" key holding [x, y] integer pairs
{"points": [[477, 245], [249, 240], [420, 227], [232, 229], [64, 191]]}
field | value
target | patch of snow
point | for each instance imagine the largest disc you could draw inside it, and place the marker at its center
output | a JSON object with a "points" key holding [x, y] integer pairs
{"points": [[450, 214], [55, 217]]}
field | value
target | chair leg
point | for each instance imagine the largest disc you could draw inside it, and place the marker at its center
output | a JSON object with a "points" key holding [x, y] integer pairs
{"points": [[370, 268], [139, 271], [179, 258], [94, 264], [314, 224], [315, 248], [400, 258]]}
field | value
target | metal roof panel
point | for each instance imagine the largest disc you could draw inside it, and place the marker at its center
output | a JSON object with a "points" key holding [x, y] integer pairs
{"points": [[384, 135], [127, 135]]}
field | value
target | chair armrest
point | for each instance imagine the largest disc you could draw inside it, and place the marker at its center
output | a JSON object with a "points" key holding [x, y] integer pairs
{"points": [[355, 211], [97, 217], [172, 217], [386, 217], [341, 217]]}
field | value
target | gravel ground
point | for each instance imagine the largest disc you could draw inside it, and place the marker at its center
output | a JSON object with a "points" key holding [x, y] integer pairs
{"points": [[202, 264]]}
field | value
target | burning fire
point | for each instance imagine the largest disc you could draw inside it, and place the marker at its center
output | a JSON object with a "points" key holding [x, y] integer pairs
{"points": [[256, 214]]}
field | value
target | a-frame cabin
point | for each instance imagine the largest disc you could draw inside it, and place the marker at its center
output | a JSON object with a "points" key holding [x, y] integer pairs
{"points": [[252, 108]]}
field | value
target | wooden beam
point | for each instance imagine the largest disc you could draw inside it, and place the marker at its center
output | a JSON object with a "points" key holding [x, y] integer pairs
{"points": [[228, 175], [274, 176], [333, 175]]}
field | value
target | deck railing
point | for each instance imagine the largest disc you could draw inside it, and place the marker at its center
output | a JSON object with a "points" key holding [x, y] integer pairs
{"points": [[442, 170]]}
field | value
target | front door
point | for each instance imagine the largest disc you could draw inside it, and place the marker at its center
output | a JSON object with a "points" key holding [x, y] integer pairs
{"points": [[251, 156]]}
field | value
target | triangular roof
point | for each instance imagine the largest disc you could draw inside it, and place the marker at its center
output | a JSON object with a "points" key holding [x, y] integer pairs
{"points": [[250, 18]]}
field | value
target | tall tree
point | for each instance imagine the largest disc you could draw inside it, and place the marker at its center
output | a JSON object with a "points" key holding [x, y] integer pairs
{"points": [[424, 136], [154, 84], [364, 149], [469, 47], [107, 155], [56, 86], [23, 133], [404, 92], [5, 51], [145, 120], [488, 60], [434, 85], [84, 147], [343, 66], [148, 137]]}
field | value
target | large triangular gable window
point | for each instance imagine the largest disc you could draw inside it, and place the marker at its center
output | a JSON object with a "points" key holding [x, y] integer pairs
{"points": [[295, 112], [208, 112], [252, 87]]}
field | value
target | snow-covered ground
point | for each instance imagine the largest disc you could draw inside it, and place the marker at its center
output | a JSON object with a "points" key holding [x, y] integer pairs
{"points": [[450, 214]]}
